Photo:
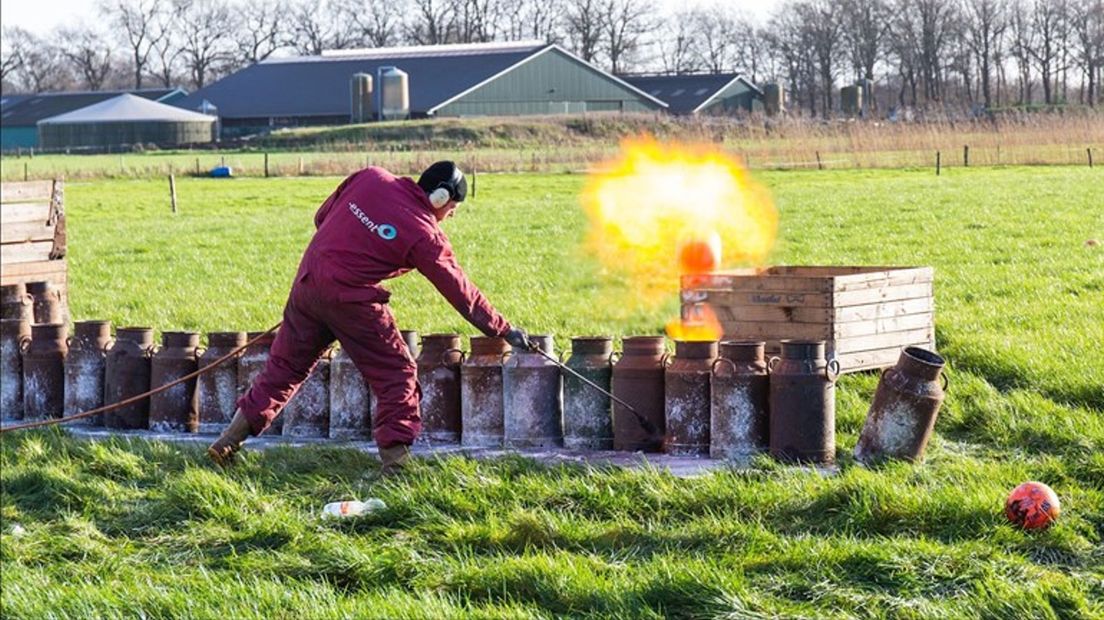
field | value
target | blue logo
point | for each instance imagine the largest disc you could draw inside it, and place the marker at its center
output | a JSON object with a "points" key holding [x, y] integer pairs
{"points": [[387, 231]]}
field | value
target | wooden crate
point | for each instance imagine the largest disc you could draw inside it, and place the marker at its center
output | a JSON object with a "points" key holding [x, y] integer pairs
{"points": [[32, 235], [866, 315]]}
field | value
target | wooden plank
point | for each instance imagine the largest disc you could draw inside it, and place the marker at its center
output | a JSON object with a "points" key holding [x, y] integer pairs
{"points": [[896, 277], [26, 252], [881, 326], [762, 330], [22, 191], [881, 341], [19, 212], [766, 298], [830, 271], [26, 231], [866, 360], [885, 293], [779, 314], [883, 310], [39, 268], [752, 283]]}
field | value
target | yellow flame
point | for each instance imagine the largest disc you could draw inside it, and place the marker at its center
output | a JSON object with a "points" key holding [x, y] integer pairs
{"points": [[654, 199], [698, 323]]}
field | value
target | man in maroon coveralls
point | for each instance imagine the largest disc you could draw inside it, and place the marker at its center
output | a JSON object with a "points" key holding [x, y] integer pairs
{"points": [[375, 226]]}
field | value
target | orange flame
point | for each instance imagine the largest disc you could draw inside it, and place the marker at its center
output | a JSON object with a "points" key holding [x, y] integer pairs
{"points": [[698, 323]]}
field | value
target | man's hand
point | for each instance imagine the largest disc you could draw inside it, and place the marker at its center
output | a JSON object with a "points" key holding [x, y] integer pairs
{"points": [[518, 339]]}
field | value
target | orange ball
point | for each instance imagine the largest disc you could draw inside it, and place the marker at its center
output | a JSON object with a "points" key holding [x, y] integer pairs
{"points": [[1032, 506], [700, 255]]}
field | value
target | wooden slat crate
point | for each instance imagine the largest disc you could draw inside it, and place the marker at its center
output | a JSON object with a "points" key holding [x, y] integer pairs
{"points": [[866, 315], [32, 235]]}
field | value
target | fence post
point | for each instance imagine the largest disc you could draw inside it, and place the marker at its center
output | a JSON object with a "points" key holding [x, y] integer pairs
{"points": [[938, 162], [26, 173], [266, 165], [965, 155], [473, 183], [197, 166], [1089, 151], [300, 165], [172, 191], [820, 166]]}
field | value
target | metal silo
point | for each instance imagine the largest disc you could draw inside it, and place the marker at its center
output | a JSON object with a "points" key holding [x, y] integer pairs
{"points": [[851, 100], [774, 99], [394, 93], [360, 98]]}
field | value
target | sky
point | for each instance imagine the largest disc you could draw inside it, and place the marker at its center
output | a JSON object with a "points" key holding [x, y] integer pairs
{"points": [[41, 16]]}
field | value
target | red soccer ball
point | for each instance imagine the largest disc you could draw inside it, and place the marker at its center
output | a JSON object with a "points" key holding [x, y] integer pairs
{"points": [[1032, 506]]}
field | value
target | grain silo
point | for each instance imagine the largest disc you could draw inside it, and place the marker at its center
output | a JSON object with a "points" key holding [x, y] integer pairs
{"points": [[851, 100], [123, 120], [774, 99], [394, 94], [360, 98]]}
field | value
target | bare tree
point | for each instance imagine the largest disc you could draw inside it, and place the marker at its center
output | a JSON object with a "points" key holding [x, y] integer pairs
{"points": [[43, 68], [865, 26], [476, 20], [1048, 23], [791, 41], [164, 63], [261, 29], [136, 23], [821, 20], [13, 51], [205, 30], [431, 22], [1087, 23], [713, 29], [624, 22], [675, 44], [88, 54], [583, 23], [751, 48], [534, 19], [318, 25], [986, 23]]}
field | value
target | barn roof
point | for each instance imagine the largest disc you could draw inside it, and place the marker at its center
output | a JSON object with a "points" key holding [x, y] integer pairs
{"points": [[28, 109], [687, 94], [126, 108]]}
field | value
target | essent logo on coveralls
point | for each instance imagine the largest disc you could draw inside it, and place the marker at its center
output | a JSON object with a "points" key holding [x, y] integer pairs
{"points": [[386, 231]]}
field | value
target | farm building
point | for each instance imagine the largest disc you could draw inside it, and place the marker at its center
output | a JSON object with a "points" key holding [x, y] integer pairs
{"points": [[712, 93], [125, 119], [20, 113], [480, 79]]}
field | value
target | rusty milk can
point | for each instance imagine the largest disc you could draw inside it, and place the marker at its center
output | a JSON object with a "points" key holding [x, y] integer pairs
{"points": [[588, 416], [803, 403], [127, 374], [410, 337], [350, 400], [687, 397], [85, 368], [250, 364], [439, 375], [481, 404], [905, 407], [177, 408], [44, 372], [532, 402], [307, 414], [218, 388], [15, 303], [638, 379], [15, 335], [740, 426], [47, 302]]}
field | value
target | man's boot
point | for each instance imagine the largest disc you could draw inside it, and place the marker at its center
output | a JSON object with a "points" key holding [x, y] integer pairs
{"points": [[394, 459], [230, 442]]}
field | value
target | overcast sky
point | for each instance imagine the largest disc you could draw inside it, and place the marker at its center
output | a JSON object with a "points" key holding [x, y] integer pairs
{"points": [[41, 16]]}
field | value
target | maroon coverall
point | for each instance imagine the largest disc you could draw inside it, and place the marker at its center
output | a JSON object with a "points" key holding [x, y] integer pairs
{"points": [[375, 226]]}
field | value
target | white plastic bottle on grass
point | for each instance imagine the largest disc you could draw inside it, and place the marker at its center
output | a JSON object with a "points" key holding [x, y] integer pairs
{"points": [[338, 510]]}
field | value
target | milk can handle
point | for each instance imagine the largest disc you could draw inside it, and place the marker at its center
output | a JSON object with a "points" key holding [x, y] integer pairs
{"points": [[665, 361], [561, 355], [199, 351], [772, 362], [615, 354], [946, 379], [713, 366], [68, 342], [24, 344], [463, 355], [832, 370], [502, 358], [108, 344]]}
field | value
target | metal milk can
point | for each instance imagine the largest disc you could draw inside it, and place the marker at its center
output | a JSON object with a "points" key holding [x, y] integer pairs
{"points": [[218, 388], [15, 335], [47, 302], [177, 408], [481, 399], [588, 415], [638, 379], [901, 418], [44, 372], [803, 403], [410, 337], [307, 414], [15, 303], [85, 370], [741, 402], [532, 399], [250, 364], [439, 376], [127, 374], [688, 396], [350, 400]]}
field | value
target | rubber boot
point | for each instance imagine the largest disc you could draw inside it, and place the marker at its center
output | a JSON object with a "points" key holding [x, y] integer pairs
{"points": [[230, 442], [394, 459]]}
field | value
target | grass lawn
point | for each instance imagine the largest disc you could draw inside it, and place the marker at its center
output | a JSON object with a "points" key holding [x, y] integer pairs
{"points": [[129, 528]]}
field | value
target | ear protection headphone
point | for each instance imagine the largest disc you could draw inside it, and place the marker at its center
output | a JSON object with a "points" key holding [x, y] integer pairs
{"points": [[445, 190]]}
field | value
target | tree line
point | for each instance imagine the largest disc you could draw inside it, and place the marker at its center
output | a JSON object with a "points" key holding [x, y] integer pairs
{"points": [[910, 54]]}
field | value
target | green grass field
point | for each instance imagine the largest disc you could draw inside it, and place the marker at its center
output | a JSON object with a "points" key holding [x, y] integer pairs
{"points": [[135, 528]]}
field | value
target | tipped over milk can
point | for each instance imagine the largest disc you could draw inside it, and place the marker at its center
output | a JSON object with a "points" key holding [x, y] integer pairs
{"points": [[307, 414], [85, 370], [127, 374], [46, 299], [350, 400], [177, 408], [250, 364], [218, 387], [532, 398], [439, 375], [687, 397], [481, 399], [588, 415], [15, 335], [44, 372], [638, 379], [905, 407], [803, 403], [741, 395], [16, 303]]}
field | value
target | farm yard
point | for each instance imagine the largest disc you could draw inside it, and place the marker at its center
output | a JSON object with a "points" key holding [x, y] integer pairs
{"points": [[131, 527]]}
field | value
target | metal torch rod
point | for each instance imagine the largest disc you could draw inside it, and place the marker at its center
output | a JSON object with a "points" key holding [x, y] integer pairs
{"points": [[644, 422]]}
